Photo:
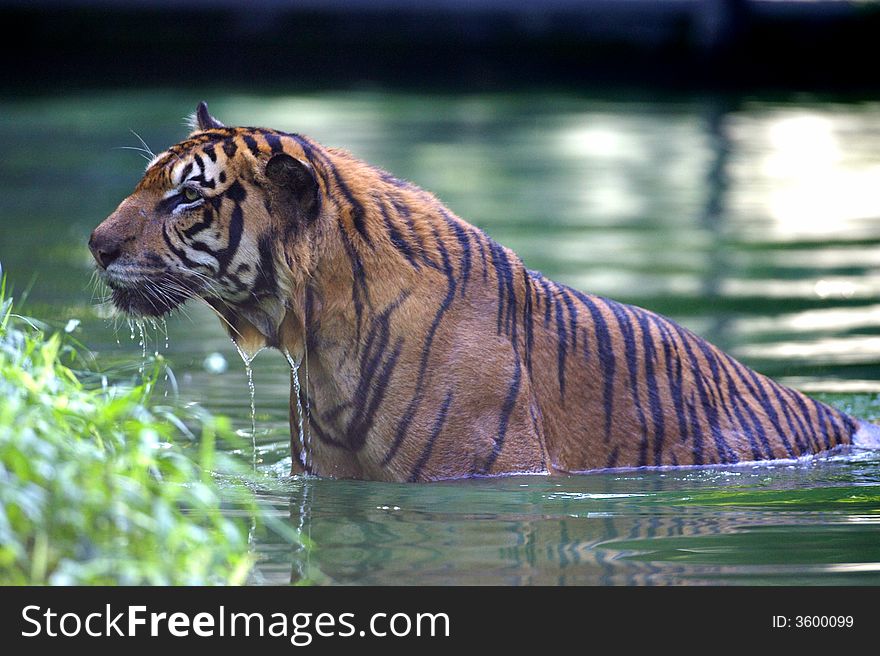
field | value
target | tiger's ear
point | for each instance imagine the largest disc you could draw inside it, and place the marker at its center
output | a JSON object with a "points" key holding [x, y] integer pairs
{"points": [[202, 120], [296, 181]]}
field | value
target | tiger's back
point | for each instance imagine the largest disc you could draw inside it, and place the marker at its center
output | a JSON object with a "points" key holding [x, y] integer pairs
{"points": [[422, 349], [656, 394]]}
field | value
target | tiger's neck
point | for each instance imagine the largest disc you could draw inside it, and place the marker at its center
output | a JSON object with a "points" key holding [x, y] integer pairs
{"points": [[398, 275]]}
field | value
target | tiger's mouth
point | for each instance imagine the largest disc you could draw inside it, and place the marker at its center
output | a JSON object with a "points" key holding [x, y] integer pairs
{"points": [[152, 294]]}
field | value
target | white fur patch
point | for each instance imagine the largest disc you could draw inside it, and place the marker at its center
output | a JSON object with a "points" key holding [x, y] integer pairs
{"points": [[211, 171], [177, 171], [867, 437]]}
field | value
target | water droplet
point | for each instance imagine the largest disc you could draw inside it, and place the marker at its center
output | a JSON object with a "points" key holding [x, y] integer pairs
{"points": [[215, 363], [250, 378], [143, 344], [294, 379]]}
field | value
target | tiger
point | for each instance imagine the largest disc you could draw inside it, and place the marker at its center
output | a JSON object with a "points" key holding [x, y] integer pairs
{"points": [[420, 348]]}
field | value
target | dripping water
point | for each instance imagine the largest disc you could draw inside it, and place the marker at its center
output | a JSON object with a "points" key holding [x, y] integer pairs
{"points": [[138, 325], [143, 344], [250, 378], [308, 403], [164, 325], [294, 379]]}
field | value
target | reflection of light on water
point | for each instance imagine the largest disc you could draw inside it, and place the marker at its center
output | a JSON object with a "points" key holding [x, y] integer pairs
{"points": [[804, 174], [839, 350], [583, 496], [836, 319], [612, 159], [833, 386], [802, 145], [598, 135], [853, 567], [839, 288]]}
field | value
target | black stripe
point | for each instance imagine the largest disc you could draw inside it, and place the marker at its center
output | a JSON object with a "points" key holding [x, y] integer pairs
{"points": [[480, 237], [357, 210], [400, 206], [632, 357], [527, 319], [504, 417], [274, 141], [236, 228], [357, 432], [230, 148], [611, 462], [706, 404], [506, 292], [737, 402], [797, 431], [209, 184], [766, 403], [435, 431], [251, 143], [754, 427], [673, 375], [264, 283], [465, 244], [396, 238], [186, 171], [572, 317], [165, 205], [372, 383], [206, 222], [322, 435], [651, 386], [804, 418], [561, 346], [820, 416], [696, 429], [548, 298], [235, 192], [605, 351], [179, 253], [359, 290], [410, 412]]}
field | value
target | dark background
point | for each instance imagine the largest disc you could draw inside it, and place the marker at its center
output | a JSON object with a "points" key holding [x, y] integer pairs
{"points": [[473, 44]]}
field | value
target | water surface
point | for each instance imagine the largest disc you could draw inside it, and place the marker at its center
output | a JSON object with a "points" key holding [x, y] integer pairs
{"points": [[755, 222]]}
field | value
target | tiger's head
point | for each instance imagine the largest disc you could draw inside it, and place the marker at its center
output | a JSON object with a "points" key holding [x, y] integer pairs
{"points": [[228, 215]]}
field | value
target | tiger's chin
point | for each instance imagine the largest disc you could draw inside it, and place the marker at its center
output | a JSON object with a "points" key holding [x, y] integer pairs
{"points": [[140, 303], [140, 296]]}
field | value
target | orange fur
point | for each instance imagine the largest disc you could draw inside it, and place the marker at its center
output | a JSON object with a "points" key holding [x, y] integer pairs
{"points": [[429, 351]]}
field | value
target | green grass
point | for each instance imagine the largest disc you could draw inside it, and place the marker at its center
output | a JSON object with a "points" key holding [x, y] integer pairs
{"points": [[98, 485]]}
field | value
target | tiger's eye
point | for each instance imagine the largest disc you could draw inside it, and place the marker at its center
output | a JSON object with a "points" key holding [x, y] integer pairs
{"points": [[191, 194]]}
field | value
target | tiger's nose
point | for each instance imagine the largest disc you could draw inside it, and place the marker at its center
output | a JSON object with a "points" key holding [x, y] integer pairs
{"points": [[105, 249]]}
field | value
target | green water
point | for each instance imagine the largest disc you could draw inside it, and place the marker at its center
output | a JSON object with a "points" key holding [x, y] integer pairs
{"points": [[756, 222]]}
